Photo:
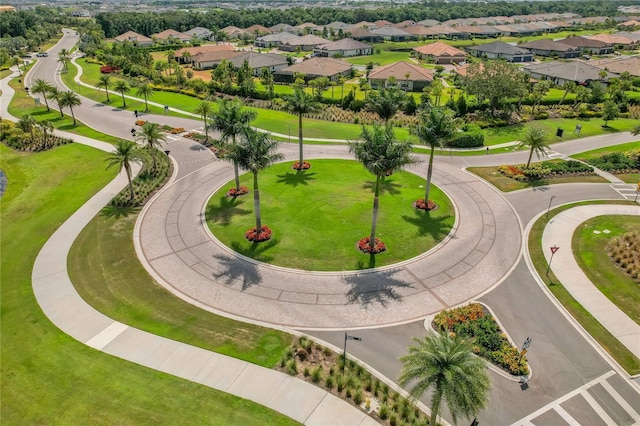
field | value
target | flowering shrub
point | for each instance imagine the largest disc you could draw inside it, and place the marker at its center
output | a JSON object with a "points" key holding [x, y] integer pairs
{"points": [[176, 130], [378, 247], [264, 235], [108, 69], [233, 192], [140, 122], [195, 136], [305, 165], [429, 205], [512, 172]]}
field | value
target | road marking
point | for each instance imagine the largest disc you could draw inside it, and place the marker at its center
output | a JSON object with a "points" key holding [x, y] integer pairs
{"points": [[172, 138], [566, 416], [620, 400], [626, 190], [597, 408]]}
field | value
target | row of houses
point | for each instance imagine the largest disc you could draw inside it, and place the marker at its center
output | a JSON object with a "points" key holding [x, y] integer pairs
{"points": [[169, 36]]}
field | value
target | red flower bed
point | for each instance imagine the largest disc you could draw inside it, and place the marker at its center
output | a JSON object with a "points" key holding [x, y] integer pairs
{"points": [[233, 192], [108, 69], [305, 165], [378, 247], [252, 235], [420, 204]]}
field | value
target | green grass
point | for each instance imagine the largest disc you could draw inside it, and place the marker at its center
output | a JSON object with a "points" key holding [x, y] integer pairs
{"points": [[318, 216], [104, 270], [385, 57], [595, 153], [48, 377], [617, 350], [589, 250], [633, 178]]}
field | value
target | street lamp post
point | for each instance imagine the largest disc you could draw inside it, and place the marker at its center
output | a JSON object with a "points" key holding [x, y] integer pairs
{"points": [[344, 353], [549, 208], [289, 127]]}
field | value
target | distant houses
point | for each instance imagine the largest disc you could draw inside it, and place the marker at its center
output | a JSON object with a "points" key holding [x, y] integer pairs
{"points": [[440, 53], [502, 50], [315, 67], [343, 48], [550, 48], [134, 38], [560, 72], [408, 76]]}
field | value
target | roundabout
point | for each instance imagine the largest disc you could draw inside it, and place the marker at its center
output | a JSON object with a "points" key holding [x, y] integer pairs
{"points": [[178, 250]]}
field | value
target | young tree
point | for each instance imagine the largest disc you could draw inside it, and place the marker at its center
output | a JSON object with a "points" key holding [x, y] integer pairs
{"points": [[300, 103], [446, 365], [124, 154], [55, 94], [64, 56], [255, 152], [569, 87], [597, 92], [380, 153], [122, 87], [42, 87], [27, 124], [540, 89], [204, 110], [582, 95], [386, 102], [534, 139], [152, 136], [145, 90], [610, 111], [104, 82], [494, 81], [69, 99], [17, 61], [436, 89]]}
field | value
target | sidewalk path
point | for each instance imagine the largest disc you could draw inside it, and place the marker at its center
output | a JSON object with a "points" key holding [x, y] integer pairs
{"points": [[559, 232]]}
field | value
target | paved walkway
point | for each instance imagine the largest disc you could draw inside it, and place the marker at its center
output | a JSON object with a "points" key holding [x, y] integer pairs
{"points": [[559, 232]]}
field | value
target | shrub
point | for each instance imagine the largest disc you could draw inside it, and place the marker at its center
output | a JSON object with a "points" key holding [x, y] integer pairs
{"points": [[383, 411], [363, 246], [329, 382], [253, 235], [617, 161], [291, 367], [316, 374], [471, 137], [357, 396]]}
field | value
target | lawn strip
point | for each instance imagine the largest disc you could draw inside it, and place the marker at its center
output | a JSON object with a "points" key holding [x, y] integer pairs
{"points": [[595, 153]]}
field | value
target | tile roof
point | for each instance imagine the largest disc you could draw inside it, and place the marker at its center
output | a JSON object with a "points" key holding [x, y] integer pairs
{"points": [[578, 41], [257, 29], [274, 37], [344, 44], [205, 49], [390, 31], [500, 47], [428, 22], [281, 28], [577, 71], [547, 44], [197, 30], [439, 49], [129, 35], [213, 56], [318, 66], [308, 39], [402, 71], [258, 60], [611, 39], [167, 34], [620, 64]]}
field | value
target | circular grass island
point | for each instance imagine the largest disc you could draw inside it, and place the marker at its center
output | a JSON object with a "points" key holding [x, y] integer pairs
{"points": [[317, 216]]}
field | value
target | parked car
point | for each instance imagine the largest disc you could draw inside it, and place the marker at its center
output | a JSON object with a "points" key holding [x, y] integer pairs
{"points": [[42, 54]]}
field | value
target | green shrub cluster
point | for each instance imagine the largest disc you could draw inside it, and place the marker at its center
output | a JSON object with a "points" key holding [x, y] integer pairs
{"points": [[545, 169], [38, 139], [147, 181], [618, 161], [470, 137], [490, 342]]}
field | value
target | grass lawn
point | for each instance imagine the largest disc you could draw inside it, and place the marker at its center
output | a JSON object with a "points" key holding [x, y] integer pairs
{"points": [[589, 155], [506, 184], [617, 350], [629, 177], [385, 57], [318, 216], [48, 377], [589, 251]]}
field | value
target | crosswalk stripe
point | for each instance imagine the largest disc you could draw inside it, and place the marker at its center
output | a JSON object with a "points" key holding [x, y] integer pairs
{"points": [[620, 400], [172, 138], [566, 416], [597, 408]]}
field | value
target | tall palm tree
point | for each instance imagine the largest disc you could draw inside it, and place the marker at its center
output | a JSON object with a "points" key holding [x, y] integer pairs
{"points": [[151, 135], [204, 110], [42, 87], [232, 120], [122, 87], [55, 94], [254, 152], [145, 90], [535, 139], [64, 56], [386, 102], [16, 60], [300, 103], [380, 152], [69, 99], [125, 153], [569, 87], [436, 126], [104, 82], [447, 365]]}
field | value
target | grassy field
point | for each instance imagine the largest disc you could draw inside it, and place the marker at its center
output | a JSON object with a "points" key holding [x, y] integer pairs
{"points": [[48, 377], [617, 350], [589, 250], [318, 216], [589, 155]]}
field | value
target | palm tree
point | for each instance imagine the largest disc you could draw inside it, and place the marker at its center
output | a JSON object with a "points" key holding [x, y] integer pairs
{"points": [[436, 126], [42, 87], [69, 99], [254, 152], [569, 87], [104, 82], [380, 152], [27, 123], [300, 103], [151, 134], [17, 61], [122, 87], [386, 102], [55, 94], [145, 90], [63, 57], [47, 129], [125, 153], [447, 365], [204, 110], [535, 140], [231, 120], [437, 87]]}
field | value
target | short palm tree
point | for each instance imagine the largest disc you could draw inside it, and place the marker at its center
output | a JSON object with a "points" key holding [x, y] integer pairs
{"points": [[55, 94], [232, 120], [146, 91], [104, 82], [300, 103], [63, 57], [204, 110], [16, 60], [28, 124], [380, 153], [152, 136], [436, 126], [47, 129], [69, 99], [447, 365], [535, 139], [386, 102], [125, 153], [255, 152], [122, 87], [42, 87]]}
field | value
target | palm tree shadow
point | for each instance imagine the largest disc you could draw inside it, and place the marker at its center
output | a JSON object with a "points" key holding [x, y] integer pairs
{"points": [[378, 287], [222, 213], [436, 227], [117, 212], [387, 185], [197, 147], [233, 269], [297, 178], [256, 250]]}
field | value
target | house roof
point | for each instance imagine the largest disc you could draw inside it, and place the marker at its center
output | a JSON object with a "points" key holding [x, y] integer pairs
{"points": [[344, 44], [364, 24], [390, 31], [404, 24], [275, 37], [463, 70], [631, 23], [633, 35], [578, 41], [361, 33], [547, 44], [445, 29], [281, 27], [305, 25], [198, 30], [428, 22], [204, 49], [577, 71], [477, 29], [611, 39], [402, 71], [620, 64], [167, 34], [257, 29], [258, 60], [318, 66], [500, 47], [337, 25], [213, 56], [306, 40], [439, 49], [132, 35], [419, 30], [231, 30]]}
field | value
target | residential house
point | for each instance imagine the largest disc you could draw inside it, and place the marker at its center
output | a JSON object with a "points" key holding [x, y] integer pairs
{"points": [[134, 38], [587, 45], [517, 30], [619, 42], [305, 43], [382, 23], [307, 28], [635, 35], [337, 25], [422, 33], [630, 24], [393, 34], [450, 33], [186, 54], [274, 39], [199, 32], [315, 67], [559, 72], [232, 33], [548, 47], [479, 31], [440, 53], [620, 64], [171, 36], [501, 50], [205, 60], [428, 23], [364, 24], [343, 48], [258, 62], [410, 77], [363, 34], [257, 30], [404, 24], [282, 28]]}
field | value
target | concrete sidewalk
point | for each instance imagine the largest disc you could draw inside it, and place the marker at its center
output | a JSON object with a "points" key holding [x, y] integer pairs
{"points": [[559, 232]]}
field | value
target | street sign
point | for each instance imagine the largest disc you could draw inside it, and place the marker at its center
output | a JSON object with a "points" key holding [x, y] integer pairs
{"points": [[354, 338], [578, 129], [554, 249]]}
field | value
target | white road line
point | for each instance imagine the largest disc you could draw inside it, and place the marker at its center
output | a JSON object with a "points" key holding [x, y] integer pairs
{"points": [[597, 408], [566, 416], [172, 138], [620, 400]]}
